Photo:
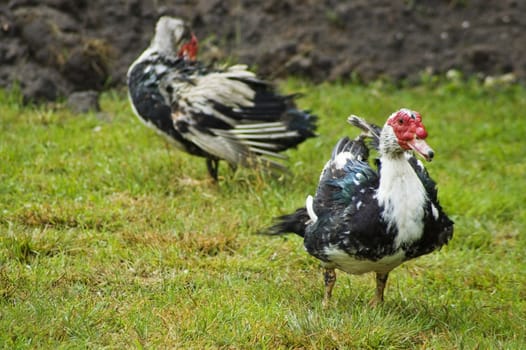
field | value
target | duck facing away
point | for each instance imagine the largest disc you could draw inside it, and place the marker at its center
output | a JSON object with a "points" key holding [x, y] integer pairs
{"points": [[365, 219], [216, 113]]}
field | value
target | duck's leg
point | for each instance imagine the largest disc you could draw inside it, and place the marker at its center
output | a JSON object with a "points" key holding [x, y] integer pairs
{"points": [[212, 166], [381, 281], [329, 277]]}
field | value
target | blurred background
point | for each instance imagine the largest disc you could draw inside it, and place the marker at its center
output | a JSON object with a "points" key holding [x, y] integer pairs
{"points": [[52, 48]]}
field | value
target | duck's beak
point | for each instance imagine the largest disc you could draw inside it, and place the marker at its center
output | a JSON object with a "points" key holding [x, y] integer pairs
{"points": [[421, 147]]}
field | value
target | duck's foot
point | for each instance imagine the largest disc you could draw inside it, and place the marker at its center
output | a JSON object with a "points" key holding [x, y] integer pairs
{"points": [[329, 278], [213, 166], [381, 282]]}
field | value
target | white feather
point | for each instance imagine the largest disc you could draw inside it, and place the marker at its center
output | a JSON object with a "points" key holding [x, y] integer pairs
{"points": [[403, 197], [310, 209], [341, 159], [434, 210], [345, 262]]}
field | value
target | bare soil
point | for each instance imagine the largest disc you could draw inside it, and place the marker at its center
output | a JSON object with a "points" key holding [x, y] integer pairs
{"points": [[52, 48]]}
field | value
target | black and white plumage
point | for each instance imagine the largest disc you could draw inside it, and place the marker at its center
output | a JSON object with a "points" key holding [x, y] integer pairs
{"points": [[366, 219], [219, 114]]}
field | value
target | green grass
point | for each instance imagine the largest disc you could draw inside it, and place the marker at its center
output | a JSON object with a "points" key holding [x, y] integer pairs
{"points": [[110, 238]]}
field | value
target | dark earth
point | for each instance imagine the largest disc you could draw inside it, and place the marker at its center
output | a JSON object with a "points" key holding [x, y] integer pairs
{"points": [[52, 48]]}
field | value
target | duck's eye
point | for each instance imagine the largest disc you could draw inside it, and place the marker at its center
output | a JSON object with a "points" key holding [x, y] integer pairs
{"points": [[400, 121]]}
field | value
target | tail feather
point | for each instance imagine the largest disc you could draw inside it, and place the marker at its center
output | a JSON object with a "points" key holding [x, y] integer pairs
{"points": [[290, 223], [295, 127], [370, 130], [356, 147], [302, 121]]}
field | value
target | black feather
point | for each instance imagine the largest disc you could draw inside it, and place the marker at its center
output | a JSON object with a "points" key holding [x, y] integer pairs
{"points": [[290, 223]]}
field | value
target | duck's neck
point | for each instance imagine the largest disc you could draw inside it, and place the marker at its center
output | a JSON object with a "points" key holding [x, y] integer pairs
{"points": [[162, 42], [402, 197]]}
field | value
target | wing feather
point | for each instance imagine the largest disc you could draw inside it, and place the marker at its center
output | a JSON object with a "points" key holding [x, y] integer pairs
{"points": [[199, 112]]}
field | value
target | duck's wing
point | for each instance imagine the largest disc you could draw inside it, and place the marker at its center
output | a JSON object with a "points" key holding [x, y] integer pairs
{"points": [[438, 227], [344, 175], [346, 166], [234, 116], [348, 214]]}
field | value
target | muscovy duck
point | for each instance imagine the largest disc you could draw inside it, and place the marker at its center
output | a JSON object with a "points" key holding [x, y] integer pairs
{"points": [[216, 113], [363, 219]]}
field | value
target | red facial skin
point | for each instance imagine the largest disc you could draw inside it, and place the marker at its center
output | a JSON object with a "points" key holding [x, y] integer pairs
{"points": [[189, 49], [411, 133]]}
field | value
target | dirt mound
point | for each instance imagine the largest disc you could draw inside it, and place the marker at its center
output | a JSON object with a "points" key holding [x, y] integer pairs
{"points": [[55, 47]]}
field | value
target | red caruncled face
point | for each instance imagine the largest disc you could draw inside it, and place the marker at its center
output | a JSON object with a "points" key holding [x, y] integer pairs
{"points": [[410, 132], [189, 49]]}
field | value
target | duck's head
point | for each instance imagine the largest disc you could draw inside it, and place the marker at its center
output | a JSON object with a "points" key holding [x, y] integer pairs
{"points": [[404, 131], [173, 36]]}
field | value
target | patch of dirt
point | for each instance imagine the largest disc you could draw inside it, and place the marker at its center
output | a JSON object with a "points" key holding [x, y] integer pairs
{"points": [[55, 47]]}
